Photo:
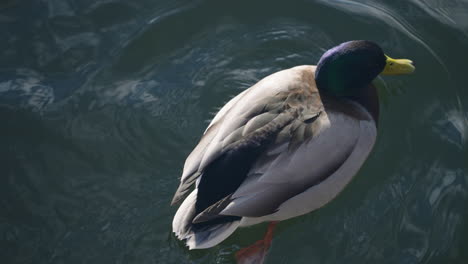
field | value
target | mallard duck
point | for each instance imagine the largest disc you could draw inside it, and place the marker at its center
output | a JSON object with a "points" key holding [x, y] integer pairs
{"points": [[284, 147]]}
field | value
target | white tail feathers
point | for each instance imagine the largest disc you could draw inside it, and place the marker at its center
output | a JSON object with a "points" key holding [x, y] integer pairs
{"points": [[197, 239]]}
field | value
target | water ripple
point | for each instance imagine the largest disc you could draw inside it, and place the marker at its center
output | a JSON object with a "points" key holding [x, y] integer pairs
{"points": [[448, 12], [384, 13], [103, 100], [26, 89]]}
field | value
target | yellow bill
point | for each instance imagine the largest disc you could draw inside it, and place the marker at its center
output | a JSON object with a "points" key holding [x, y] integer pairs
{"points": [[398, 66]]}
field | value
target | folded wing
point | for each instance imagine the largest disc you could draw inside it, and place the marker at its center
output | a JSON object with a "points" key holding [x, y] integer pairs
{"points": [[267, 145]]}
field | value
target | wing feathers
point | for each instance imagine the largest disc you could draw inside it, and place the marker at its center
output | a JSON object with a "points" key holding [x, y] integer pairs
{"points": [[256, 135], [184, 187], [224, 175], [212, 212]]}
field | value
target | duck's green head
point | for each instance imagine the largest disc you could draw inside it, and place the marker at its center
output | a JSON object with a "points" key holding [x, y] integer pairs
{"points": [[349, 67]]}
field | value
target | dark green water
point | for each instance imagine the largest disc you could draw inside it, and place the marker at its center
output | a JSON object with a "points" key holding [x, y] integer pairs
{"points": [[101, 101]]}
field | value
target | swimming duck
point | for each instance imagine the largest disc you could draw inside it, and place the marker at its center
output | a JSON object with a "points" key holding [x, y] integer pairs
{"points": [[284, 147]]}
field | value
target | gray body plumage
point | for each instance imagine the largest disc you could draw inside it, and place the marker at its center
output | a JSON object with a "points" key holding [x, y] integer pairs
{"points": [[309, 147]]}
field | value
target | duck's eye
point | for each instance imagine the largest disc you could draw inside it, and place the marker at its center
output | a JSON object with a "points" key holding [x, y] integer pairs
{"points": [[391, 63]]}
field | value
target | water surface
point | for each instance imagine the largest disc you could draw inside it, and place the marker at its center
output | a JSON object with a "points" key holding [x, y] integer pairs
{"points": [[101, 101]]}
